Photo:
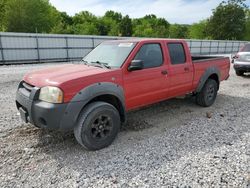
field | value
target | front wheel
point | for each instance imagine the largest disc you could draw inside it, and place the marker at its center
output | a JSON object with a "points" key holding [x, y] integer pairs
{"points": [[207, 95], [97, 126]]}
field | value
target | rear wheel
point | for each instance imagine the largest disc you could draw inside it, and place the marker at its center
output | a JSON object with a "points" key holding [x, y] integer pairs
{"points": [[239, 73], [207, 95], [97, 126]]}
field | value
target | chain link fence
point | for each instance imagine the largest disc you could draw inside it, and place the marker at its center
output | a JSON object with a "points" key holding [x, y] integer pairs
{"points": [[34, 48]]}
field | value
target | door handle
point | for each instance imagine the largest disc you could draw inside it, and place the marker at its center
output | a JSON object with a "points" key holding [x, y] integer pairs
{"points": [[186, 69], [164, 72]]}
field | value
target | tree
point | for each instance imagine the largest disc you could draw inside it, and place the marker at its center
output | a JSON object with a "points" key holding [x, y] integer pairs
{"points": [[178, 31], [14, 16], [247, 31], [30, 16], [2, 14], [198, 30], [150, 26], [228, 21], [85, 23], [110, 23], [116, 16], [126, 26], [64, 25]]}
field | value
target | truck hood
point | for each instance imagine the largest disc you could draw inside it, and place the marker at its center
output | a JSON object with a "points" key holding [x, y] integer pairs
{"points": [[55, 76]]}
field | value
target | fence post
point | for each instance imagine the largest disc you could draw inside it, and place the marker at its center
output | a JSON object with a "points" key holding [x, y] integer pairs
{"points": [[1, 47], [232, 49], [210, 46], [218, 47], [201, 46], [67, 47], [93, 43], [191, 46], [239, 44], [37, 48], [225, 49]]}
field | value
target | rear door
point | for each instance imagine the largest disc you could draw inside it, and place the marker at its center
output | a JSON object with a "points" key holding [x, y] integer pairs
{"points": [[180, 69], [149, 85]]}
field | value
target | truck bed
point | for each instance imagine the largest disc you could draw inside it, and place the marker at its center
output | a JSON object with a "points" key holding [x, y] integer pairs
{"points": [[201, 63], [201, 59]]}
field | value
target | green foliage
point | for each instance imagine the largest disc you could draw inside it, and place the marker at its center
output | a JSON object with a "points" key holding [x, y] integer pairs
{"points": [[178, 31], [150, 26], [247, 32], [63, 25], [85, 23], [126, 26], [110, 23], [198, 30], [114, 24], [228, 21], [29, 16], [2, 14]]}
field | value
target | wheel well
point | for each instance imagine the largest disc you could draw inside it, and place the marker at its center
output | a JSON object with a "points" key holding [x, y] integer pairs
{"points": [[113, 100], [216, 78]]}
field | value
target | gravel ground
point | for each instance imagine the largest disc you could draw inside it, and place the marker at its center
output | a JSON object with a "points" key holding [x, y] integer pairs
{"points": [[172, 144]]}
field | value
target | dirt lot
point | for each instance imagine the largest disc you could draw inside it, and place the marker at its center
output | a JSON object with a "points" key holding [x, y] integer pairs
{"points": [[172, 143]]}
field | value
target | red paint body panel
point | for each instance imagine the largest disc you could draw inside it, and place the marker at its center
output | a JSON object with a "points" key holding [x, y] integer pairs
{"points": [[72, 78], [142, 87], [222, 64]]}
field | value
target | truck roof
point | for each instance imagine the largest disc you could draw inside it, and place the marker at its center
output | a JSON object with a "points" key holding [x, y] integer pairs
{"points": [[146, 40]]}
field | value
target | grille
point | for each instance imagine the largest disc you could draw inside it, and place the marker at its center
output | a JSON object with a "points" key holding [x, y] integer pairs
{"points": [[25, 88]]}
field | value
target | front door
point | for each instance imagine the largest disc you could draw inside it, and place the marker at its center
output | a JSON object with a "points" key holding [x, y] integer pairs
{"points": [[149, 85]]}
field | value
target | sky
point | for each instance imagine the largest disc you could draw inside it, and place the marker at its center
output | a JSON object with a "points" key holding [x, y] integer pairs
{"points": [[174, 11]]}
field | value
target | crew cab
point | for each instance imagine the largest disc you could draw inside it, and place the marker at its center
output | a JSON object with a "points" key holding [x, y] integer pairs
{"points": [[93, 96]]}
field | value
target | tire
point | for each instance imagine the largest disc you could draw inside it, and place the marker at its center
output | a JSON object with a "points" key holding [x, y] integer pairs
{"points": [[97, 126], [239, 73], [208, 93]]}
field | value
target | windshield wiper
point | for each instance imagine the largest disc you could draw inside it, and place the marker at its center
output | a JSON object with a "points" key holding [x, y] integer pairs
{"points": [[85, 62], [106, 65]]}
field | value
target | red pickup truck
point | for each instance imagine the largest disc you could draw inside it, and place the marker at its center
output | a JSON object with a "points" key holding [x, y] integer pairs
{"points": [[93, 96]]}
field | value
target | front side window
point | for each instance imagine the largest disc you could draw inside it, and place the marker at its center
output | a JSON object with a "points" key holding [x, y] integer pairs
{"points": [[151, 55], [177, 53], [112, 54]]}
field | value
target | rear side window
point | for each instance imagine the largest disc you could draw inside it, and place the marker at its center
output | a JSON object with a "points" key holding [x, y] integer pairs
{"points": [[246, 48], [177, 53], [151, 55]]}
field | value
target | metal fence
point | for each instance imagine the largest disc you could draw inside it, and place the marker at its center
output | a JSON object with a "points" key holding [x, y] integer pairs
{"points": [[208, 47], [31, 48]]}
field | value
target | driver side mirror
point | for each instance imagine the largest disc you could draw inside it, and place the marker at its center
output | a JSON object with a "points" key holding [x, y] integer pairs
{"points": [[135, 65]]}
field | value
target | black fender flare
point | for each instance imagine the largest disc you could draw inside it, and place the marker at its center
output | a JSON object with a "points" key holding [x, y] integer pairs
{"points": [[87, 94], [208, 72]]}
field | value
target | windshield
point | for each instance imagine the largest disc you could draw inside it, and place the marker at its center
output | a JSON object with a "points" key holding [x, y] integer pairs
{"points": [[111, 54]]}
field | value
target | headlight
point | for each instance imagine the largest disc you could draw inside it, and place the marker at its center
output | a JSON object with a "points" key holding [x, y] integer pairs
{"points": [[51, 94]]}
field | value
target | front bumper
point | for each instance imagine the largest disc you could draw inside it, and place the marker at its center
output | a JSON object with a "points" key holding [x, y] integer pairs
{"points": [[242, 66], [43, 114]]}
